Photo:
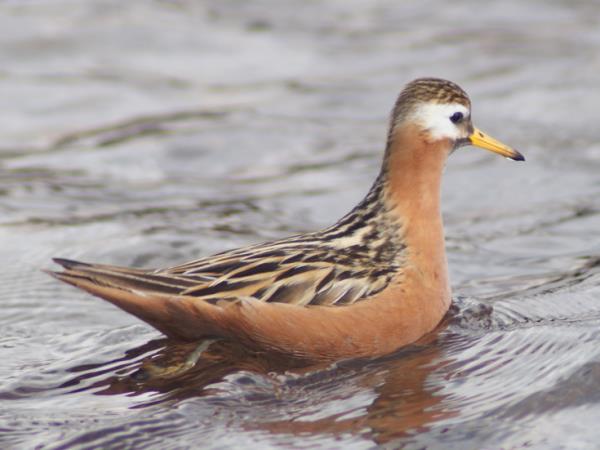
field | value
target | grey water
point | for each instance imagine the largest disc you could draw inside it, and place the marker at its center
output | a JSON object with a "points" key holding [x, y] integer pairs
{"points": [[148, 133]]}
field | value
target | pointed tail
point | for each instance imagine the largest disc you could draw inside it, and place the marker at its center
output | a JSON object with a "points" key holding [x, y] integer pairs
{"points": [[150, 297]]}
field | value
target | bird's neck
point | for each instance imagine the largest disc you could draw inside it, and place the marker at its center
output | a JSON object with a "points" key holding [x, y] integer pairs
{"points": [[398, 224], [412, 176]]}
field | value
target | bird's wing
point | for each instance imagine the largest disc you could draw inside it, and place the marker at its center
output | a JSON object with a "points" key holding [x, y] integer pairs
{"points": [[292, 273]]}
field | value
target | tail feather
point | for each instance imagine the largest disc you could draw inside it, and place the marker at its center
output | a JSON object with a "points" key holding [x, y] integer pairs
{"points": [[73, 264], [70, 263], [146, 296], [126, 278]]}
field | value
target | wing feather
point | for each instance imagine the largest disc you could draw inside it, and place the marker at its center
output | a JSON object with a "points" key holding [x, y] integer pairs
{"points": [[297, 272]]}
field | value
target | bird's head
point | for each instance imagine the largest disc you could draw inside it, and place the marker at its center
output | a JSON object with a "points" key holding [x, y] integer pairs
{"points": [[441, 112]]}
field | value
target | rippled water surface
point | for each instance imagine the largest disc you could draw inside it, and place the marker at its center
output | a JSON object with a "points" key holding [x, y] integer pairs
{"points": [[148, 133]]}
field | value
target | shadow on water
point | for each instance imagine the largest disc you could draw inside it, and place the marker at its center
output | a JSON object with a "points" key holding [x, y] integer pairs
{"points": [[175, 370], [401, 401]]}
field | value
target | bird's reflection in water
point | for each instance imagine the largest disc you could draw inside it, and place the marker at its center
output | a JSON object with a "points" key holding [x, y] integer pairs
{"points": [[402, 399], [175, 370]]}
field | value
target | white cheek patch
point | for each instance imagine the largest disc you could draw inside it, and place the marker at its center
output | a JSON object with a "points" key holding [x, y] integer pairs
{"points": [[435, 118]]}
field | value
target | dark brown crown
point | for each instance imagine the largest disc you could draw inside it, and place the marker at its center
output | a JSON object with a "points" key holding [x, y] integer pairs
{"points": [[425, 90]]}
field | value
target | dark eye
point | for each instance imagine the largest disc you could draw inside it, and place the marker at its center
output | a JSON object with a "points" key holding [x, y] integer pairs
{"points": [[456, 117]]}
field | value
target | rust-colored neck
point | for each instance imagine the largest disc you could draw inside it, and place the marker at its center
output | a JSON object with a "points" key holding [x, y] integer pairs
{"points": [[414, 168]]}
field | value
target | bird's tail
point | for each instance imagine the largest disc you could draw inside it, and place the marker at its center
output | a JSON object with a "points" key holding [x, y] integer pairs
{"points": [[153, 298]]}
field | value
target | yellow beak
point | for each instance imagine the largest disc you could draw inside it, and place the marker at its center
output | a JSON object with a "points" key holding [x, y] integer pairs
{"points": [[480, 139]]}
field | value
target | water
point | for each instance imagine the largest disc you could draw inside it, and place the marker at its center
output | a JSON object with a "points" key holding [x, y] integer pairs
{"points": [[149, 133]]}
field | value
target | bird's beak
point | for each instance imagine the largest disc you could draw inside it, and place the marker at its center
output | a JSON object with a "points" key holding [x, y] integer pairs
{"points": [[480, 139]]}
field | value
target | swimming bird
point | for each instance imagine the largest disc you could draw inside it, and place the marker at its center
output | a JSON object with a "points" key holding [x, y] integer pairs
{"points": [[371, 283]]}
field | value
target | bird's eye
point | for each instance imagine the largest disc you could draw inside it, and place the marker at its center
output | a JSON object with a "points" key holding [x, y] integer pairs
{"points": [[456, 117]]}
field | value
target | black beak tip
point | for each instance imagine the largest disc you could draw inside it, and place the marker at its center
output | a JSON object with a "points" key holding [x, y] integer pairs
{"points": [[518, 157]]}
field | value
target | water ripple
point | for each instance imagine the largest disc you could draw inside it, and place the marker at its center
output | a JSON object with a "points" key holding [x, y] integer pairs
{"points": [[271, 122]]}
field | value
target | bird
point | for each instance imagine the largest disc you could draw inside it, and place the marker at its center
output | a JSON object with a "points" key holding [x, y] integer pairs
{"points": [[373, 282]]}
